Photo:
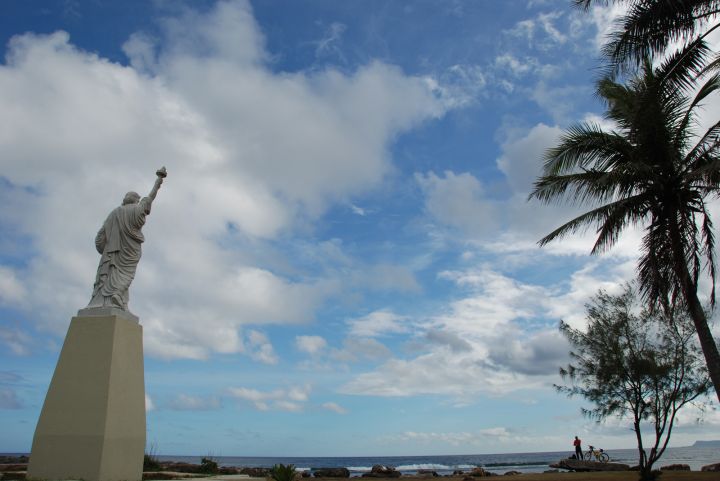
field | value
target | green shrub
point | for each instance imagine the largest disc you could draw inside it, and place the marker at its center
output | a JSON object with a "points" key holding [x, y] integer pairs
{"points": [[150, 461], [282, 472], [208, 466]]}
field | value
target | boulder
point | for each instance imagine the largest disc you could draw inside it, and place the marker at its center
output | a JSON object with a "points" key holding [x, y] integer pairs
{"points": [[458, 472], [13, 476], [713, 468], [179, 467], [585, 466], [480, 473], [12, 467], [675, 467], [331, 473], [512, 473], [380, 471], [428, 473], [255, 472]]}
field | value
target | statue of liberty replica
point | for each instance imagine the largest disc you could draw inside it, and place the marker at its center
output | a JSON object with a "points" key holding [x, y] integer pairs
{"points": [[92, 424], [119, 241]]}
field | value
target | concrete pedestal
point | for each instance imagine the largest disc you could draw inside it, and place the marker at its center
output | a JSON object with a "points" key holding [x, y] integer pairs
{"points": [[92, 425]]}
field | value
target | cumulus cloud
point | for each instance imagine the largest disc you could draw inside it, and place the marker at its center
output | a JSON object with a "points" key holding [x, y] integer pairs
{"points": [[540, 32], [9, 399], [17, 341], [149, 404], [334, 407], [458, 201], [292, 399], [360, 349], [260, 348], [377, 323], [184, 402], [310, 344], [501, 336], [255, 156]]}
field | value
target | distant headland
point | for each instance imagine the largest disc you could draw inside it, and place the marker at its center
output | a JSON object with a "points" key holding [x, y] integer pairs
{"points": [[707, 444]]}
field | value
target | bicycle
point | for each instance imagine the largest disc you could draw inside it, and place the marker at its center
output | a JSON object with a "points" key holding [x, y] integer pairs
{"points": [[597, 455]]}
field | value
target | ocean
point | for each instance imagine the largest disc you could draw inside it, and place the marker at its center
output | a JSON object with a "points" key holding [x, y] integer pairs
{"points": [[695, 457]]}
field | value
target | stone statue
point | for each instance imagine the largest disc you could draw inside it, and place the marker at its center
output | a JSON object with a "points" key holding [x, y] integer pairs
{"points": [[119, 241]]}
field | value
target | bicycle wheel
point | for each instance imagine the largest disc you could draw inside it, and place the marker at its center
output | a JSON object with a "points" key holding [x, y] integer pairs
{"points": [[588, 456], [604, 458]]}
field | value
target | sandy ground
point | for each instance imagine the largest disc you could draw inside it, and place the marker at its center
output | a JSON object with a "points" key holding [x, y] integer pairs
{"points": [[564, 476], [561, 476]]}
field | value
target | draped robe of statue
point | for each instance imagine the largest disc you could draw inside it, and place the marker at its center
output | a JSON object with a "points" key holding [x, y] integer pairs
{"points": [[119, 241]]}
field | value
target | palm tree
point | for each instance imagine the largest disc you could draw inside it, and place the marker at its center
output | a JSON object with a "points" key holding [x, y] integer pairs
{"points": [[650, 171], [650, 26]]}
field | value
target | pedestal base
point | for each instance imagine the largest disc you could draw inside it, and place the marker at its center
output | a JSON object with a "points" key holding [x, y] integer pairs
{"points": [[92, 425]]}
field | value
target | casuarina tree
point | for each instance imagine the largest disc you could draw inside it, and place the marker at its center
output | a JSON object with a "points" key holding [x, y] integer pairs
{"points": [[639, 365], [651, 170]]}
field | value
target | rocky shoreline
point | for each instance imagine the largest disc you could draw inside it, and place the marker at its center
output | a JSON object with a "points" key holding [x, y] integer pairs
{"points": [[15, 467]]}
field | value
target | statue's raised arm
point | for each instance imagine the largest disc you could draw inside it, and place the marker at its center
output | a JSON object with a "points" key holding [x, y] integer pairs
{"points": [[119, 242], [161, 174]]}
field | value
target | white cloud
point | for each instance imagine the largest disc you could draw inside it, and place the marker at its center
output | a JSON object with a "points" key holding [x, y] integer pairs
{"points": [[458, 200], [459, 85], [329, 45], [377, 323], [291, 399], [517, 67], [499, 338], [310, 344], [149, 404], [184, 402], [254, 157], [12, 290], [16, 340], [522, 157], [334, 407], [455, 438], [360, 349], [260, 348], [9, 399], [540, 32]]}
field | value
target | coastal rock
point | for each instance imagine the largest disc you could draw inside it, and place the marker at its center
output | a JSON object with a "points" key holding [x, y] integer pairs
{"points": [[12, 467], [331, 473], [458, 472], [713, 468], [305, 474], [380, 471], [180, 467], [480, 473], [675, 467], [13, 476], [584, 466], [255, 472], [14, 459], [428, 473], [512, 473]]}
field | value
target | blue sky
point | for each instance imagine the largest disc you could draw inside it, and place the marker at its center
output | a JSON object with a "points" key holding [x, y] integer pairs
{"points": [[342, 260]]}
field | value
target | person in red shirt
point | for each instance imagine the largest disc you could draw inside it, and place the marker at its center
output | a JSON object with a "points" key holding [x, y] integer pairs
{"points": [[578, 447]]}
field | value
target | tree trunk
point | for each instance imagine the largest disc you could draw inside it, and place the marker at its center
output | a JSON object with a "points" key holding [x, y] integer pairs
{"points": [[695, 309]]}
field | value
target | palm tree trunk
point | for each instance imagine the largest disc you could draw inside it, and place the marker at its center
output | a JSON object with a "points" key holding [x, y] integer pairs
{"points": [[707, 342], [697, 313]]}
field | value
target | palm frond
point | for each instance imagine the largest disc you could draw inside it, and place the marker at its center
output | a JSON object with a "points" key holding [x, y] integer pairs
{"points": [[681, 69], [585, 145], [613, 211]]}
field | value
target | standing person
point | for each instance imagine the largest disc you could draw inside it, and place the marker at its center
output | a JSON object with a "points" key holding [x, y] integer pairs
{"points": [[578, 448]]}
